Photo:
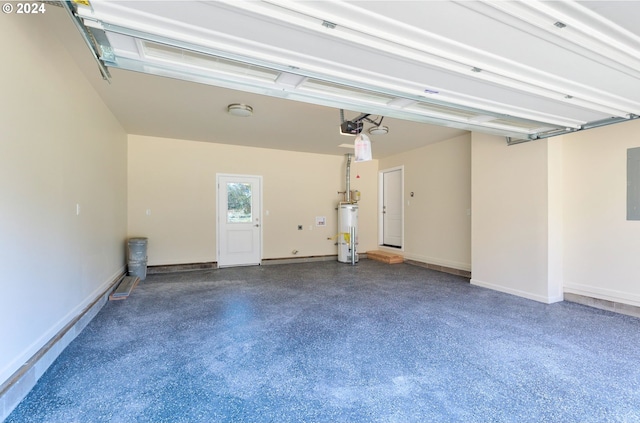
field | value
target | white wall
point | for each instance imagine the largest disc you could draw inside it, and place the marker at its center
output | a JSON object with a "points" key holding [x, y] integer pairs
{"points": [[601, 248], [59, 146], [549, 216], [555, 219], [437, 220], [510, 223], [175, 180]]}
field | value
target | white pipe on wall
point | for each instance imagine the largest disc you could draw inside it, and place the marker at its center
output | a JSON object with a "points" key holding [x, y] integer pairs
{"points": [[348, 180]]}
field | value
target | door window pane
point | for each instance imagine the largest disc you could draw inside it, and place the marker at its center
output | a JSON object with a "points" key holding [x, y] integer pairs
{"points": [[239, 202]]}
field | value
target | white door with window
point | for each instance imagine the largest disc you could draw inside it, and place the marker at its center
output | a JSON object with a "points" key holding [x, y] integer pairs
{"points": [[392, 219], [239, 226]]}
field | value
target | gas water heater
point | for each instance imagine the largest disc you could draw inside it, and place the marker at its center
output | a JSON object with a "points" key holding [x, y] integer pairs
{"points": [[348, 221], [347, 233]]}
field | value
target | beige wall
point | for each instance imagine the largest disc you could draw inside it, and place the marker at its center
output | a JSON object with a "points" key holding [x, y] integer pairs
{"points": [[437, 220], [510, 223], [59, 146], [549, 216], [175, 180], [601, 248]]}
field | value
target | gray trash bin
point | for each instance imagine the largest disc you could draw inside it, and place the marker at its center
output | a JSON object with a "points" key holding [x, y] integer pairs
{"points": [[137, 257]]}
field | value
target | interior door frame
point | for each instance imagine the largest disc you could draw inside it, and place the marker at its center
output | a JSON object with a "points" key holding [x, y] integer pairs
{"points": [[381, 204], [218, 217]]}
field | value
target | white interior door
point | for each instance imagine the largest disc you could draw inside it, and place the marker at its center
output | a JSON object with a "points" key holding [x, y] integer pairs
{"points": [[392, 210], [239, 228]]}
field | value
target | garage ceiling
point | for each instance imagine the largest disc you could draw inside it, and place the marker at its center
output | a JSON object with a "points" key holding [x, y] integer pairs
{"points": [[523, 70]]}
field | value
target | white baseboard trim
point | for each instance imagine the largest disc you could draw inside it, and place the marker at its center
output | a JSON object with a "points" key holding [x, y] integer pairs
{"points": [[19, 384], [438, 262], [186, 267], [517, 292], [305, 259], [439, 268], [602, 294]]}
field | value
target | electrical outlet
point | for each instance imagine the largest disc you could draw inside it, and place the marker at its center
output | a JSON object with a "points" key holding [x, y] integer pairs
{"points": [[299, 227]]}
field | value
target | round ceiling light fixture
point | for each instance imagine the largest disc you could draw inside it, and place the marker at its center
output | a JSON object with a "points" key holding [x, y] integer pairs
{"points": [[378, 130], [238, 109]]}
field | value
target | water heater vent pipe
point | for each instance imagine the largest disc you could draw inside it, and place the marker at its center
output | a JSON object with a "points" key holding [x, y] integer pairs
{"points": [[348, 182]]}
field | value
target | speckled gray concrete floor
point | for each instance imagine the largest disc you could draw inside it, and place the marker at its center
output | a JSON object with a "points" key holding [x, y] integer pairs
{"points": [[330, 342]]}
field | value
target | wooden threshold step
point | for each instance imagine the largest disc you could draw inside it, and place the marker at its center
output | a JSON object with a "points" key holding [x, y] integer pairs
{"points": [[385, 257], [127, 284]]}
